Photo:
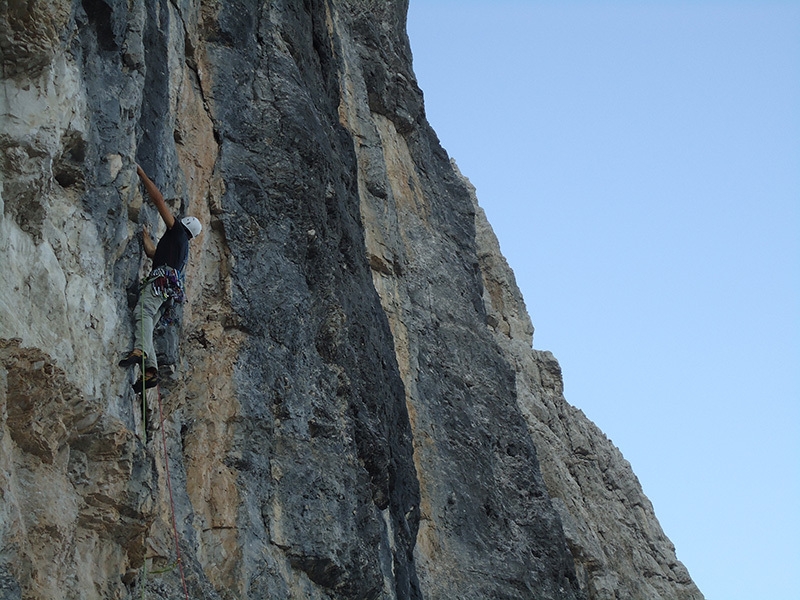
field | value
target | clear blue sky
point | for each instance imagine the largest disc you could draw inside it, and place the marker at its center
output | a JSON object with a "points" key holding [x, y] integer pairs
{"points": [[640, 163]]}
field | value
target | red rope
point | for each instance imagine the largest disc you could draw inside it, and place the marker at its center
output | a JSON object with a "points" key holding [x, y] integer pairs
{"points": [[171, 500]]}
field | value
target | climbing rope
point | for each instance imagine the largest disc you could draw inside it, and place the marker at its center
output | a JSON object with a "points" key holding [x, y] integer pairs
{"points": [[166, 468], [171, 500], [144, 370], [144, 433], [179, 560]]}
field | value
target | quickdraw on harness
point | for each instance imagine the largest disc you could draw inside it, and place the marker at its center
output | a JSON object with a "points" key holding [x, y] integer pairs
{"points": [[167, 283]]}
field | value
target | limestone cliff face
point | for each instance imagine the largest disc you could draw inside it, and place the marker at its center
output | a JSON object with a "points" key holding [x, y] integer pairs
{"points": [[351, 405]]}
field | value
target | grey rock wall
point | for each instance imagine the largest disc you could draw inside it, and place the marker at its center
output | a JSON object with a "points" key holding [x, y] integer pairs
{"points": [[345, 411]]}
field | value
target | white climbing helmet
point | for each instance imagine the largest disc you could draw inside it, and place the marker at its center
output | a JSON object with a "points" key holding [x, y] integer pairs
{"points": [[193, 225]]}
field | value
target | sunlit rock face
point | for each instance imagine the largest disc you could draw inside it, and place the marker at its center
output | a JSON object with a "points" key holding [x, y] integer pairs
{"points": [[350, 406]]}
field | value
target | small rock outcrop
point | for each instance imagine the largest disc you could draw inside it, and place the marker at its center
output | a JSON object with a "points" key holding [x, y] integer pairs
{"points": [[350, 405]]}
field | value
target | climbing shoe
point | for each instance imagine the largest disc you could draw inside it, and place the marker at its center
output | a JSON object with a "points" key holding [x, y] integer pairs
{"points": [[134, 358], [151, 379]]}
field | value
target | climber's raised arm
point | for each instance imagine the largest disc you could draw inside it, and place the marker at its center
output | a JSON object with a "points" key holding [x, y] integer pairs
{"points": [[157, 198]]}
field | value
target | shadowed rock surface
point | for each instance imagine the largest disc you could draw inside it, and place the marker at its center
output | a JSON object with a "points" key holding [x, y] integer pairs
{"points": [[351, 407]]}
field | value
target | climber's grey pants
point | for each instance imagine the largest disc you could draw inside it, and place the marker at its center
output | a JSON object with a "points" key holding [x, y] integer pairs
{"points": [[146, 314]]}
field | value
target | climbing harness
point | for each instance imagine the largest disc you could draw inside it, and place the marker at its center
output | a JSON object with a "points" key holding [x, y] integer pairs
{"points": [[167, 283]]}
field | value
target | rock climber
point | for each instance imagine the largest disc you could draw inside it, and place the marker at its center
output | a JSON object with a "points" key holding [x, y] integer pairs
{"points": [[163, 285]]}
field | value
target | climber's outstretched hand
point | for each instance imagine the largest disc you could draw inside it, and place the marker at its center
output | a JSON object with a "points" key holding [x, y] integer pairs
{"points": [[156, 197]]}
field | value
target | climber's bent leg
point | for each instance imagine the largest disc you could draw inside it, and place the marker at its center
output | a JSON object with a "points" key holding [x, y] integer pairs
{"points": [[145, 314]]}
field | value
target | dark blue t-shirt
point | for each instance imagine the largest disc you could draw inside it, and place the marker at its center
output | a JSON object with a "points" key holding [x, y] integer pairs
{"points": [[173, 248]]}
